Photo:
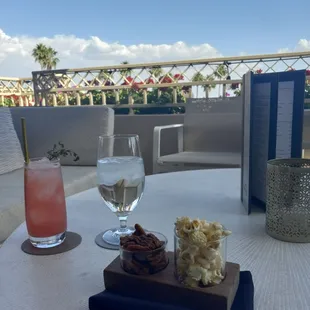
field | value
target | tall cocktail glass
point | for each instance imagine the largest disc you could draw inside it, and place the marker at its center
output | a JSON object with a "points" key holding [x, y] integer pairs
{"points": [[45, 204]]}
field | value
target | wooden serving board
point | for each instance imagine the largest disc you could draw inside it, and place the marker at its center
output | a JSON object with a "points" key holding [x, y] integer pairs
{"points": [[163, 287]]}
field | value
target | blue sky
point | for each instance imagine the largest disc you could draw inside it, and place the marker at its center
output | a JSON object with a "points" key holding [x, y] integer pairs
{"points": [[230, 26], [92, 33]]}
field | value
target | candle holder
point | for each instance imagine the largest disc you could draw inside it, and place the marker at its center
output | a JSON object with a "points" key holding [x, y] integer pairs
{"points": [[288, 199]]}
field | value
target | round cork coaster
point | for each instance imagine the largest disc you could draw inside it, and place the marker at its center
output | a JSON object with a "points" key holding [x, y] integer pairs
{"points": [[71, 241]]}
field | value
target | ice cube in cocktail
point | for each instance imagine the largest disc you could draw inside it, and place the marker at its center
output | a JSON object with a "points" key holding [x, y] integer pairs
{"points": [[45, 205]]}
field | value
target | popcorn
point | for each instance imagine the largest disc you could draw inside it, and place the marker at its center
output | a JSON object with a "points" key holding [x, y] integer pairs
{"points": [[182, 222], [208, 253], [197, 237], [198, 255], [217, 226], [204, 263], [189, 255], [190, 282], [196, 225]]}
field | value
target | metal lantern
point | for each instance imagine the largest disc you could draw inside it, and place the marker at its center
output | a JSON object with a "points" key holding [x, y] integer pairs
{"points": [[288, 199]]}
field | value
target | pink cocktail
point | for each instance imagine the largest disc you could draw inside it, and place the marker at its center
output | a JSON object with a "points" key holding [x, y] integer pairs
{"points": [[46, 216]]}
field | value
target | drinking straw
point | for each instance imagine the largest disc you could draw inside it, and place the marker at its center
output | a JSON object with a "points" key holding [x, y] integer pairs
{"points": [[26, 153]]}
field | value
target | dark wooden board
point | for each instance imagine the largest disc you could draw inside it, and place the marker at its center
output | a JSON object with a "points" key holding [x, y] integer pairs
{"points": [[163, 287]]}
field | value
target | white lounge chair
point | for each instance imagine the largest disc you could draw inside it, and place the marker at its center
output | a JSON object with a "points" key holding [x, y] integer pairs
{"points": [[209, 138]]}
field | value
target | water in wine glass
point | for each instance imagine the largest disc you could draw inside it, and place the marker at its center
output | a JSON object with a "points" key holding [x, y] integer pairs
{"points": [[121, 182]]}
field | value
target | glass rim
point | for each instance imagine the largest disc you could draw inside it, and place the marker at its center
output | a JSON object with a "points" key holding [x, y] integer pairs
{"points": [[165, 240], [36, 159], [222, 238], [118, 136], [41, 157]]}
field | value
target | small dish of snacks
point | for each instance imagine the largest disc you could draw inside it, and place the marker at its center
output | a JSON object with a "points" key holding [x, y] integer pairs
{"points": [[200, 252], [143, 252], [196, 274]]}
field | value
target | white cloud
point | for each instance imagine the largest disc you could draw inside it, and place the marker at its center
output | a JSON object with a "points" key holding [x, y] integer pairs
{"points": [[302, 45], [74, 52]]}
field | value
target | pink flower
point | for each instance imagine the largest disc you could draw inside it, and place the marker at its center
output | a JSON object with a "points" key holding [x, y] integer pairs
{"points": [[166, 79], [135, 86], [179, 76], [128, 80], [149, 81]]}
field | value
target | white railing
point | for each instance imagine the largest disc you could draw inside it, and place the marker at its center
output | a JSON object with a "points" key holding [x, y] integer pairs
{"points": [[16, 91], [149, 85]]}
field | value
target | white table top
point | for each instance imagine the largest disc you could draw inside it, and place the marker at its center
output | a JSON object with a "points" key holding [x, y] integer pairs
{"points": [[280, 270]]}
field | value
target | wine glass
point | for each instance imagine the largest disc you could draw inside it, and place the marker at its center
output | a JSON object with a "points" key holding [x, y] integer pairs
{"points": [[120, 180]]}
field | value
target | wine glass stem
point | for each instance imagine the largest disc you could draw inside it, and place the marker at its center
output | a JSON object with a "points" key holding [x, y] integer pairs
{"points": [[123, 223]]}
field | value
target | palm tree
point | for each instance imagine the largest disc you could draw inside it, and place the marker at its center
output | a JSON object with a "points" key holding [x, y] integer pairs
{"points": [[220, 73], [45, 56], [51, 59], [198, 77], [107, 76], [39, 54], [156, 71], [208, 87]]}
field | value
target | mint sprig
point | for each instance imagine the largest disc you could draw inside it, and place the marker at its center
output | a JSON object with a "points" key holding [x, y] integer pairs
{"points": [[59, 150]]}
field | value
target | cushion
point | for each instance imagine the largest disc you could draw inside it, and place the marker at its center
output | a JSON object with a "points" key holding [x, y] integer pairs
{"points": [[76, 179], [217, 132], [11, 155], [77, 127], [215, 159], [213, 125]]}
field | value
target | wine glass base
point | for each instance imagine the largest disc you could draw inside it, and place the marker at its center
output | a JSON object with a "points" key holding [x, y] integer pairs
{"points": [[109, 239], [112, 236]]}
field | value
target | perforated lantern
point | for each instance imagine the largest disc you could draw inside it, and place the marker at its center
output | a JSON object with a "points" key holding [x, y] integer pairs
{"points": [[288, 199]]}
